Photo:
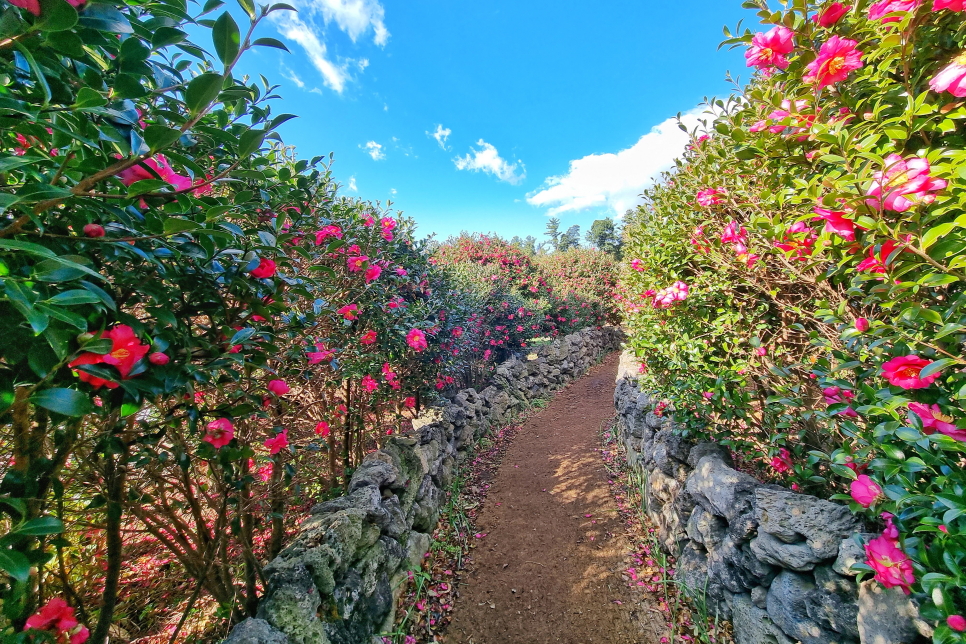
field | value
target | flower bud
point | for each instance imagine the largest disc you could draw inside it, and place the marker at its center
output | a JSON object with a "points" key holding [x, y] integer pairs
{"points": [[94, 230], [159, 358], [861, 325]]}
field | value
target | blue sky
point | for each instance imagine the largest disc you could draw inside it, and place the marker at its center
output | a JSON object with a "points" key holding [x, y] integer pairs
{"points": [[492, 116]]}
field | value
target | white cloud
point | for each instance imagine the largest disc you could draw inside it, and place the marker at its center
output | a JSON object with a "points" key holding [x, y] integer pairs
{"points": [[291, 26], [487, 159], [355, 17], [307, 27], [352, 184], [292, 76], [392, 191], [374, 150], [441, 134], [615, 180]]}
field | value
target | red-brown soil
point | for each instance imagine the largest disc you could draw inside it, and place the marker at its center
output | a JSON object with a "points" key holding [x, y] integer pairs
{"points": [[549, 569]]}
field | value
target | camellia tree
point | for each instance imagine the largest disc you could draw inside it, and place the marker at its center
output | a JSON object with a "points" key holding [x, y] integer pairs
{"points": [[201, 336], [795, 285]]}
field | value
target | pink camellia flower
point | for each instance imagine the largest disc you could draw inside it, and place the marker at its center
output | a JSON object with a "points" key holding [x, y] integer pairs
{"points": [[33, 6], [57, 618], [782, 462], [742, 255], [836, 395], [356, 264], [836, 59], [761, 351], [952, 5], [758, 126], [373, 273], [708, 395], [126, 352], [769, 49], [265, 269], [220, 433], [892, 567], [369, 383], [277, 443], [349, 312], [837, 223], [904, 371], [861, 325], [320, 355], [369, 337], [734, 234], [402, 272], [326, 232], [410, 403], [952, 78], [956, 622], [903, 184], [94, 231], [831, 14], [865, 491], [159, 359], [637, 265], [417, 340], [876, 262], [710, 197], [279, 387], [881, 10], [666, 297], [160, 165], [798, 248], [323, 429], [368, 220], [933, 419]]}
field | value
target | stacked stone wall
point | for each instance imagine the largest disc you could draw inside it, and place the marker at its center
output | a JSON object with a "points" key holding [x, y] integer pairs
{"points": [[778, 564], [339, 579]]}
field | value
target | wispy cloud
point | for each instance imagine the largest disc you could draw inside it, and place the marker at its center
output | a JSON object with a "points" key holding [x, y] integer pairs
{"points": [[352, 184], [615, 181], [374, 150], [292, 76], [486, 158], [441, 134], [308, 26]]}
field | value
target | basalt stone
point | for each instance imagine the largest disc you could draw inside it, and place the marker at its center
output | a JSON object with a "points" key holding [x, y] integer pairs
{"points": [[377, 470], [834, 602], [671, 452], [701, 450], [291, 604], [887, 616], [706, 529], [758, 569], [794, 518], [794, 556], [654, 421], [256, 631], [721, 490], [851, 552], [669, 507], [752, 625], [788, 608]]}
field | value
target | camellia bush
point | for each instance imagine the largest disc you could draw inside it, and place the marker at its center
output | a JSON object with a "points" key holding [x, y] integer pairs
{"points": [[202, 338], [795, 285]]}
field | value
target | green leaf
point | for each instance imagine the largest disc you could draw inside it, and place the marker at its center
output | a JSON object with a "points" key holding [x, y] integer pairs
{"points": [[56, 15], [86, 98], [270, 42], [250, 141], [159, 137], [104, 17], [173, 225], [248, 6], [281, 6], [202, 92], [935, 367], [227, 38], [167, 36], [27, 247], [935, 233], [33, 192], [68, 402], [73, 298], [41, 526], [12, 163], [7, 200], [58, 270], [144, 186], [16, 564]]}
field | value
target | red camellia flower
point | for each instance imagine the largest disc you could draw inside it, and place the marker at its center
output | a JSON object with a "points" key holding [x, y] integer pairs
{"points": [[417, 340], [33, 6], [952, 5], [266, 268], [934, 420], [710, 197], [768, 49], [831, 14], [356, 264], [904, 372], [160, 165], [410, 403], [158, 358], [903, 184], [783, 462], [957, 623], [349, 312], [220, 433], [892, 567], [373, 273], [369, 383], [278, 387], [836, 59], [57, 618], [126, 351], [876, 262], [837, 223], [277, 443], [323, 429], [882, 10], [94, 230], [369, 338], [865, 491]]}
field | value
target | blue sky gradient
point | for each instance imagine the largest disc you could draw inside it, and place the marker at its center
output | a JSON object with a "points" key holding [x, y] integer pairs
{"points": [[524, 88]]}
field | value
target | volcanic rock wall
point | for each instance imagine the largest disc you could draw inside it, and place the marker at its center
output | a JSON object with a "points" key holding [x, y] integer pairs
{"points": [[778, 564], [337, 582]]}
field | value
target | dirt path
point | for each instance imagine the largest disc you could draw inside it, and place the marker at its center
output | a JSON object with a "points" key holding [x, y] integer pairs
{"points": [[549, 569]]}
